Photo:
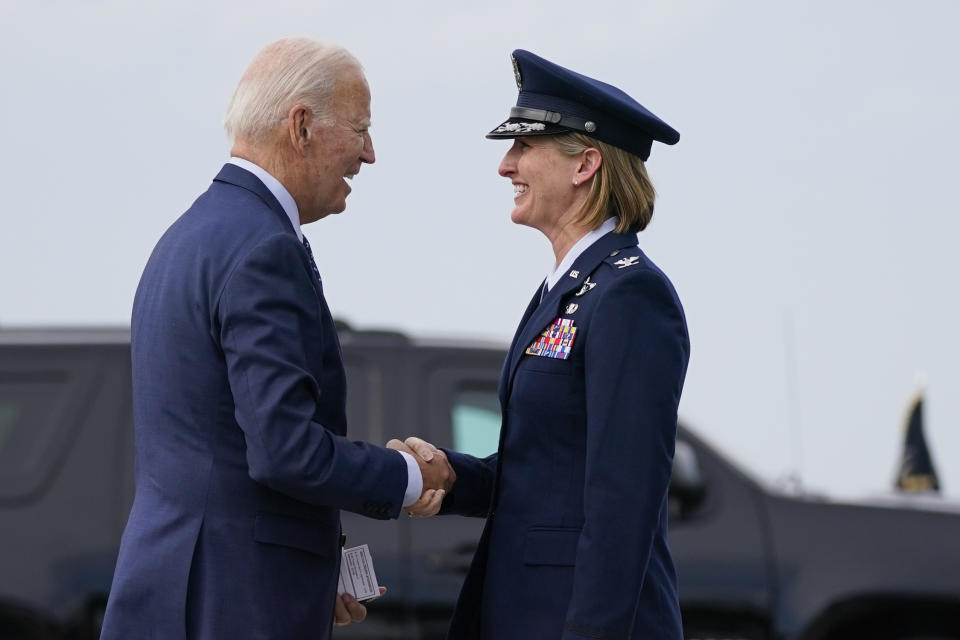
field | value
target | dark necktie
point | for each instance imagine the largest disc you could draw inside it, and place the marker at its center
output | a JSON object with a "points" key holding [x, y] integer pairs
{"points": [[326, 318], [306, 245]]}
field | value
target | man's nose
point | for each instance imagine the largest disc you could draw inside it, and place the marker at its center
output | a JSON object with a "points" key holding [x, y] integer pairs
{"points": [[368, 155]]}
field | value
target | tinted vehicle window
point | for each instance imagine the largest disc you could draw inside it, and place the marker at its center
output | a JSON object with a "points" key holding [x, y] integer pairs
{"points": [[475, 417], [28, 405], [44, 397]]}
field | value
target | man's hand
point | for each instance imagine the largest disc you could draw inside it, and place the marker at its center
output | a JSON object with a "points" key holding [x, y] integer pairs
{"points": [[346, 609], [438, 475]]}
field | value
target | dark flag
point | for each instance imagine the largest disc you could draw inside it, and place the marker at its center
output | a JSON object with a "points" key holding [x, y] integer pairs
{"points": [[916, 467]]}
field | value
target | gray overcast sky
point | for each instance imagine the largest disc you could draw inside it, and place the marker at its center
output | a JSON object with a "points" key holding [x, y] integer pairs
{"points": [[810, 201]]}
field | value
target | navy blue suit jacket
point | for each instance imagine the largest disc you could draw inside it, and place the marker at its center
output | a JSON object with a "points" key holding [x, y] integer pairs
{"points": [[239, 411], [575, 544]]}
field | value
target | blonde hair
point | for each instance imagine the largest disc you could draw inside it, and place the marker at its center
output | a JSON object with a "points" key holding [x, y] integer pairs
{"points": [[283, 74], [620, 187]]}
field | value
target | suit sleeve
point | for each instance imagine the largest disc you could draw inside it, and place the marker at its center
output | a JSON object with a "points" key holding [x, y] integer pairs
{"points": [[270, 318], [636, 359], [473, 490]]}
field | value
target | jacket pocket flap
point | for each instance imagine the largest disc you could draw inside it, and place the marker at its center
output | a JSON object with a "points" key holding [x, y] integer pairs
{"points": [[556, 547], [544, 364], [305, 535]]}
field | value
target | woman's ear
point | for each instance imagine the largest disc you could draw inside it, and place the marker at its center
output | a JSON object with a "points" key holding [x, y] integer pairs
{"points": [[590, 161]]}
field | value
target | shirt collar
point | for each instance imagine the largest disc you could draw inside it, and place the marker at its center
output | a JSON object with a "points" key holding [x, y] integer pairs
{"points": [[582, 245], [278, 190]]}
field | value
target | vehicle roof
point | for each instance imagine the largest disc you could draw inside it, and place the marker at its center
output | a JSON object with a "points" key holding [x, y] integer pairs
{"points": [[121, 335], [915, 501], [64, 335]]}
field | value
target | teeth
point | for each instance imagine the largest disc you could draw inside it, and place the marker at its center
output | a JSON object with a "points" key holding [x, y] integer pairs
{"points": [[519, 188]]}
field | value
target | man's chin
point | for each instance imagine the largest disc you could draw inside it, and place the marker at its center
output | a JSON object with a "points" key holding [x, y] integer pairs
{"points": [[329, 210]]}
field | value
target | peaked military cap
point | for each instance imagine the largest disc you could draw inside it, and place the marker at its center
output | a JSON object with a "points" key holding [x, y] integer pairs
{"points": [[554, 100]]}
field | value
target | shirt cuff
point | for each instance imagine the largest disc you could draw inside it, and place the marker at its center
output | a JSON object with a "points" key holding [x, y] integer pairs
{"points": [[414, 480]]}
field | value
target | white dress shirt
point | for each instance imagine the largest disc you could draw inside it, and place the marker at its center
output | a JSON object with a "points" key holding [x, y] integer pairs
{"points": [[414, 477], [278, 190], [582, 245]]}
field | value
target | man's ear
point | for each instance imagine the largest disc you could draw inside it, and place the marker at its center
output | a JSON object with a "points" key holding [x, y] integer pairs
{"points": [[590, 161], [299, 120]]}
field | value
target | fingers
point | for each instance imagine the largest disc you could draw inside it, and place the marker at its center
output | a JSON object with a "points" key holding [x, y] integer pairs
{"points": [[421, 506], [415, 445], [358, 612], [423, 448], [428, 504], [346, 609], [432, 507], [400, 446], [340, 614]]}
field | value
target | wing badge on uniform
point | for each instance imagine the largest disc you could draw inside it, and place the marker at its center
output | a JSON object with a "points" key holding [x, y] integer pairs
{"points": [[587, 286], [555, 341]]}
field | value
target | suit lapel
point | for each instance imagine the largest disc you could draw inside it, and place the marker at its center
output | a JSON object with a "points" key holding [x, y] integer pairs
{"points": [[531, 307], [546, 312], [240, 177]]}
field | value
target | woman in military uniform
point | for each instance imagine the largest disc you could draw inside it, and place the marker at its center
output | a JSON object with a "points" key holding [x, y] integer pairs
{"points": [[575, 544]]}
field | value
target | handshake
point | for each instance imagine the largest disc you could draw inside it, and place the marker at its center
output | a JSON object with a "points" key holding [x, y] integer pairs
{"points": [[438, 475]]}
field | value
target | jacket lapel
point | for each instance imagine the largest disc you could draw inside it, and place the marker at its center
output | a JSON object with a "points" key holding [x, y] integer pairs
{"points": [[531, 307], [546, 312], [240, 177]]}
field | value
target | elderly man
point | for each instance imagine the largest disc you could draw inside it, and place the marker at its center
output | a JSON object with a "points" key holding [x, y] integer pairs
{"points": [[239, 390]]}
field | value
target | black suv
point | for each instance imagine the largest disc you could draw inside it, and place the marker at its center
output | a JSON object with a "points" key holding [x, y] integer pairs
{"points": [[753, 564]]}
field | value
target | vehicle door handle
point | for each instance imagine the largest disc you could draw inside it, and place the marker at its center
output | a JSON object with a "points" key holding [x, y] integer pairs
{"points": [[456, 560]]}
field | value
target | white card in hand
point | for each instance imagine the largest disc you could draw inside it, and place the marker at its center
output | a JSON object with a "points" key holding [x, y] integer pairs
{"points": [[357, 576]]}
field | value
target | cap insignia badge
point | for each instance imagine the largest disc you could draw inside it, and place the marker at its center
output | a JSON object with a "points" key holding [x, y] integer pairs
{"points": [[555, 341], [516, 73], [626, 262], [520, 127]]}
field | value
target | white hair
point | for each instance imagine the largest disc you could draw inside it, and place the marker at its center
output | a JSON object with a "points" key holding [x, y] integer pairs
{"points": [[283, 74]]}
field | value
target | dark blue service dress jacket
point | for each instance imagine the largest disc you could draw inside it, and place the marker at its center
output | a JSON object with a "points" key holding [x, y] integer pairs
{"points": [[239, 411], [575, 544]]}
